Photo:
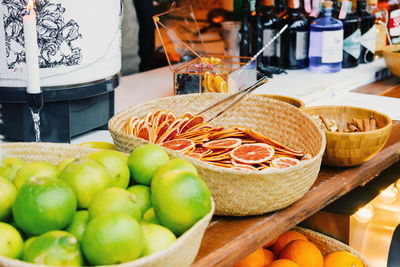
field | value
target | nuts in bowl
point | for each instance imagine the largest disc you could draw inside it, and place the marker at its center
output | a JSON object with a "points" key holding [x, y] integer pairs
{"points": [[353, 135]]}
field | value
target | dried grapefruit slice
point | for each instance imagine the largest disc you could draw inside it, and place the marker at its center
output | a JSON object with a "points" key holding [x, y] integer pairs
{"points": [[179, 145], [194, 155], [145, 132], [223, 143], [196, 120], [168, 135], [253, 153], [282, 162], [171, 116], [202, 150], [245, 168]]}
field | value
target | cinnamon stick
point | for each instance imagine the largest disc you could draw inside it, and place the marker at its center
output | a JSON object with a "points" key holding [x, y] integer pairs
{"points": [[372, 123], [353, 128], [367, 126], [340, 128], [359, 124], [324, 122]]}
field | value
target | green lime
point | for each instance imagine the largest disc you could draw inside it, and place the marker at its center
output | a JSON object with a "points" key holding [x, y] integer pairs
{"points": [[112, 239], [150, 216], [112, 200], [8, 192], [99, 145], [10, 166], [180, 199], [156, 238], [144, 162], [78, 225], [86, 177], [11, 243], [64, 163], [43, 205], [116, 164], [37, 169], [53, 248], [177, 164], [142, 195]]}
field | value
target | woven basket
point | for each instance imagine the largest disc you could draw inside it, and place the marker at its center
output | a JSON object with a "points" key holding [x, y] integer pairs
{"points": [[179, 254], [239, 193], [328, 245]]}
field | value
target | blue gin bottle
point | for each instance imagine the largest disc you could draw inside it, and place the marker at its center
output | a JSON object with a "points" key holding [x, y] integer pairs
{"points": [[326, 42]]}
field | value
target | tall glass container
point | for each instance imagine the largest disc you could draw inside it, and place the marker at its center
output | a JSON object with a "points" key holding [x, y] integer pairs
{"points": [[326, 42]]}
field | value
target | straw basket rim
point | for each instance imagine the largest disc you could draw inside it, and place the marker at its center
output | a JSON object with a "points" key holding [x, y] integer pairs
{"points": [[301, 103], [210, 166], [332, 241], [185, 237], [329, 133]]}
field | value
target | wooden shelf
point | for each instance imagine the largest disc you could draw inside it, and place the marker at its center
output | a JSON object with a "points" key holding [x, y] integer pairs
{"points": [[229, 239]]}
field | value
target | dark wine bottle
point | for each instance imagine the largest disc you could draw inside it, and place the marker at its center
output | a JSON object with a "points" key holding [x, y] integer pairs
{"points": [[368, 32], [351, 35], [244, 44], [293, 52], [269, 30], [280, 8]]}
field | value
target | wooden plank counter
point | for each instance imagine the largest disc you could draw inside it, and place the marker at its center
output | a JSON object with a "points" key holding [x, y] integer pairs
{"points": [[229, 239]]}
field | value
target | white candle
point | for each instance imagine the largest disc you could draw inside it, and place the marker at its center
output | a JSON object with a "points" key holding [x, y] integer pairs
{"points": [[31, 52]]}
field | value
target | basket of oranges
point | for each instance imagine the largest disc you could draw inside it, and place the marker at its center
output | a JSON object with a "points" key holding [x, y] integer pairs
{"points": [[69, 205], [302, 247], [261, 155]]}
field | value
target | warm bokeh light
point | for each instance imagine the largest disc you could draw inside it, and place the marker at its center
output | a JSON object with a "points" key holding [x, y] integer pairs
{"points": [[30, 5], [365, 214], [389, 195]]}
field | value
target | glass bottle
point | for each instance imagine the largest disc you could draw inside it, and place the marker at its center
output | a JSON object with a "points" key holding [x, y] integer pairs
{"points": [[368, 32], [380, 23], [269, 30], [326, 42], [394, 21], [293, 44], [244, 44], [351, 35]]}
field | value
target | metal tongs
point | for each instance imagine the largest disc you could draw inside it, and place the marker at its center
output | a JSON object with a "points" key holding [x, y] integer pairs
{"points": [[239, 96]]}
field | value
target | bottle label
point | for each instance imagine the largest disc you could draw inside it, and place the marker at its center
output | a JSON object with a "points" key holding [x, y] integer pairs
{"points": [[301, 45], [343, 10], [332, 46], [270, 51], [368, 39], [394, 23], [352, 44]]}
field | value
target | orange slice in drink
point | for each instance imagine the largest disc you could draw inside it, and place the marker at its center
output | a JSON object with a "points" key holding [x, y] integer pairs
{"points": [[223, 143], [179, 145], [283, 162], [253, 153]]}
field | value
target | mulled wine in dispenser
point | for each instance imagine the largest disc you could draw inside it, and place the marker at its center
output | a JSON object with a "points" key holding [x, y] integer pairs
{"points": [[79, 58]]}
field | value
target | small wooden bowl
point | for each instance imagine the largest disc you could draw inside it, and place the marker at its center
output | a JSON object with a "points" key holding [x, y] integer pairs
{"points": [[287, 99], [392, 58], [350, 149]]}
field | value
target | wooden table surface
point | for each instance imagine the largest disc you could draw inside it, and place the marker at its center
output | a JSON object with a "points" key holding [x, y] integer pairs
{"points": [[229, 239]]}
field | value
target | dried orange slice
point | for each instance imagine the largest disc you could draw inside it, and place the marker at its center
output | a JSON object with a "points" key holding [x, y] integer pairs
{"points": [[196, 120], [253, 153], [171, 116], [194, 155], [282, 162], [223, 143], [179, 145], [168, 135], [188, 115], [145, 132], [202, 151]]}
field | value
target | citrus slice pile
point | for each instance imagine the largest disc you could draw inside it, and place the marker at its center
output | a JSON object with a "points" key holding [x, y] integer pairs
{"points": [[235, 147]]}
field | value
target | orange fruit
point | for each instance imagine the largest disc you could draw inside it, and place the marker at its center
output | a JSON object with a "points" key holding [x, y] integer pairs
{"points": [[342, 259], [179, 145], [253, 153], [271, 243], [284, 162], [304, 253], [285, 239], [255, 259], [223, 143], [283, 263], [269, 257]]}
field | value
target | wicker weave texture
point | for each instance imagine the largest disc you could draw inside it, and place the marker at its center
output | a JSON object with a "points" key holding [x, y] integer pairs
{"points": [[180, 254], [239, 193], [328, 245]]}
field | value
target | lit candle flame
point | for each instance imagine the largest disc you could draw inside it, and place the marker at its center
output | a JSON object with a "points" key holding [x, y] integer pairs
{"points": [[30, 5]]}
